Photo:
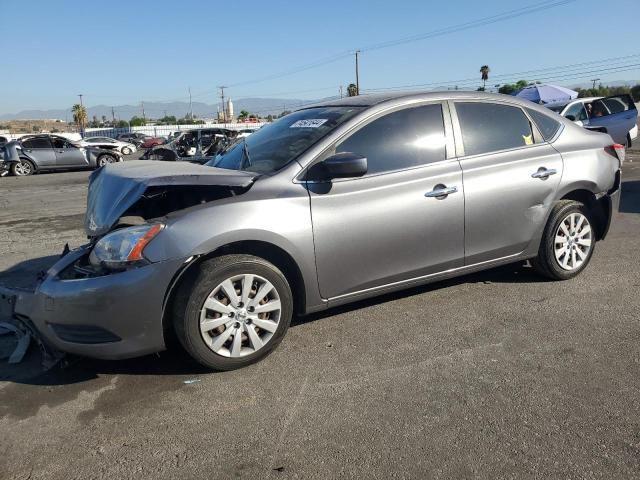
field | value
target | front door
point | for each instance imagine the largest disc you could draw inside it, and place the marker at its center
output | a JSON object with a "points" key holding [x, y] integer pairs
{"points": [[67, 154], [391, 225], [510, 178]]}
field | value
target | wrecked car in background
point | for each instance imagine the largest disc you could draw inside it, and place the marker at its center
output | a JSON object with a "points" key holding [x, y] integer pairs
{"points": [[328, 205], [197, 145], [34, 153]]}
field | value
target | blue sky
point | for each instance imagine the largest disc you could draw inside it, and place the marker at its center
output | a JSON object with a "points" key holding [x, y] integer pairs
{"points": [[117, 52]]}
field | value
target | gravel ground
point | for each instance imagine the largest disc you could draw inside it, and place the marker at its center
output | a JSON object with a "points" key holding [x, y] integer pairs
{"points": [[494, 375]]}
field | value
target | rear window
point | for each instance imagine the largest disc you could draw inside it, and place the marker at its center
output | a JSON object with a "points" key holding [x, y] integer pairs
{"points": [[548, 126], [37, 142], [491, 127]]}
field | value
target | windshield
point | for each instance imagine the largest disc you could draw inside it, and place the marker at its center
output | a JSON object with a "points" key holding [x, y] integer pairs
{"points": [[275, 145]]}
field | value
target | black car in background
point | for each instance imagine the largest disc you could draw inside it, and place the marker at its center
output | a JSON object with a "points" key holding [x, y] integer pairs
{"points": [[33, 153]]}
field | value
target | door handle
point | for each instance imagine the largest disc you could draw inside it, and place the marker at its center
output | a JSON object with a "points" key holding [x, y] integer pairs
{"points": [[544, 173], [441, 191]]}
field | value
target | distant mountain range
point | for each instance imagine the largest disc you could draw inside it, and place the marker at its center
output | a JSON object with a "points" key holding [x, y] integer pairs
{"points": [[155, 110], [260, 106]]}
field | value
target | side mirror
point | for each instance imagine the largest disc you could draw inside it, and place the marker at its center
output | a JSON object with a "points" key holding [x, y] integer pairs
{"points": [[340, 165], [570, 117]]}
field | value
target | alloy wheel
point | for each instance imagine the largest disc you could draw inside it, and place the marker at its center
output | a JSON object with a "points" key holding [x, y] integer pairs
{"points": [[240, 315], [573, 241], [23, 168]]}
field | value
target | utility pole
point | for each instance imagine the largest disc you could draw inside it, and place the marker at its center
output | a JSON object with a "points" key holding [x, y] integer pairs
{"points": [[357, 74], [340, 91], [190, 105], [113, 115], [144, 117], [594, 80], [224, 107]]}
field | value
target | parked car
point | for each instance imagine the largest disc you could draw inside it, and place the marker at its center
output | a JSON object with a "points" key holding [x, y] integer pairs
{"points": [[152, 142], [331, 204], [4, 139], [616, 115], [108, 143], [136, 138], [51, 152], [195, 145]]}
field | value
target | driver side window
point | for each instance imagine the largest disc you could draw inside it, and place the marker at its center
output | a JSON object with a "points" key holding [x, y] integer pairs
{"points": [[399, 140], [60, 143], [577, 111]]}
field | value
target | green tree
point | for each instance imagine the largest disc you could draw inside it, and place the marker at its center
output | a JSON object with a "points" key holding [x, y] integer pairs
{"points": [[79, 115], [510, 88], [121, 124], [285, 113], [635, 92], [484, 75], [352, 90], [269, 118], [168, 120], [243, 116], [137, 121]]}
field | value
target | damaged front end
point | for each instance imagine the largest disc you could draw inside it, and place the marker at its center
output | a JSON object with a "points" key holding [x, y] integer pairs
{"points": [[105, 299]]}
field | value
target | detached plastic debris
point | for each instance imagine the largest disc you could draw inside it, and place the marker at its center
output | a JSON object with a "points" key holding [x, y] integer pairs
{"points": [[17, 347], [189, 382]]}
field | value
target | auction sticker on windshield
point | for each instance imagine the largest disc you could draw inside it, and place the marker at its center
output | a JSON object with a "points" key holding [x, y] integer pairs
{"points": [[309, 123]]}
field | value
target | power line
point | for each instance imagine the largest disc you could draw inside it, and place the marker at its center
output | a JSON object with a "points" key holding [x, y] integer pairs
{"points": [[537, 7], [531, 73]]}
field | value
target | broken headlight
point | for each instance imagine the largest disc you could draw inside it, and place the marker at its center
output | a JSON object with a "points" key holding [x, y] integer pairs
{"points": [[123, 247]]}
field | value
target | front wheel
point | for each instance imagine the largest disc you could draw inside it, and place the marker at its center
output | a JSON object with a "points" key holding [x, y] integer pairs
{"points": [[106, 158], [126, 151], [567, 243], [235, 313]]}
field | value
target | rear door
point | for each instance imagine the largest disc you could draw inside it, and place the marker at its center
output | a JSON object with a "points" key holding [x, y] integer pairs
{"points": [[40, 150], [618, 114], [510, 178], [67, 154], [389, 226]]}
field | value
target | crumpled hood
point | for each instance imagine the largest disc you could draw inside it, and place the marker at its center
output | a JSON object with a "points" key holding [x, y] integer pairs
{"points": [[116, 187]]}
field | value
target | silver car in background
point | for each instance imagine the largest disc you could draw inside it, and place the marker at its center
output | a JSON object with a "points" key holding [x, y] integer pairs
{"points": [[329, 205], [35, 153]]}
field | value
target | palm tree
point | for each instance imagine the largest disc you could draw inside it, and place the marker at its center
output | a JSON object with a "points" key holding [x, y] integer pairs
{"points": [[484, 72], [79, 115], [352, 90]]}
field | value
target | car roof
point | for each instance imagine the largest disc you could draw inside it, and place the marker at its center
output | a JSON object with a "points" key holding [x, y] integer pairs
{"points": [[370, 100]]}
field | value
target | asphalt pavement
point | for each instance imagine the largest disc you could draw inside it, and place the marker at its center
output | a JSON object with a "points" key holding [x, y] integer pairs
{"points": [[500, 374]]}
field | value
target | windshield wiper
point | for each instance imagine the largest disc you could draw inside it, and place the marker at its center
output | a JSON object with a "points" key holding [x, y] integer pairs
{"points": [[245, 151]]}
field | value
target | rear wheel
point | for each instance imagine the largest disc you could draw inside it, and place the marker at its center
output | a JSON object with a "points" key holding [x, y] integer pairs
{"points": [[235, 313], [567, 243], [23, 168], [629, 142], [126, 151]]}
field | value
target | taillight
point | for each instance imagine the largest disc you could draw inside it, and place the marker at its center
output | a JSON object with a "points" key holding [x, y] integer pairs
{"points": [[617, 150]]}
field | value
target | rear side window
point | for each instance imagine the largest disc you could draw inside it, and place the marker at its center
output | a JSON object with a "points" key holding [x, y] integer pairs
{"points": [[548, 126], [399, 140], [38, 142], [490, 127]]}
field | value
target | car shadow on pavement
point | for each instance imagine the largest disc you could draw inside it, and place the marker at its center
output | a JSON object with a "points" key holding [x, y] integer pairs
{"points": [[175, 362], [25, 274], [630, 197]]}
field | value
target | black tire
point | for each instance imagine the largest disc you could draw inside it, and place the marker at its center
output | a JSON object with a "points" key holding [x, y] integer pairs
{"points": [[23, 168], [191, 296], [126, 151], [629, 142], [546, 263], [106, 158]]}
